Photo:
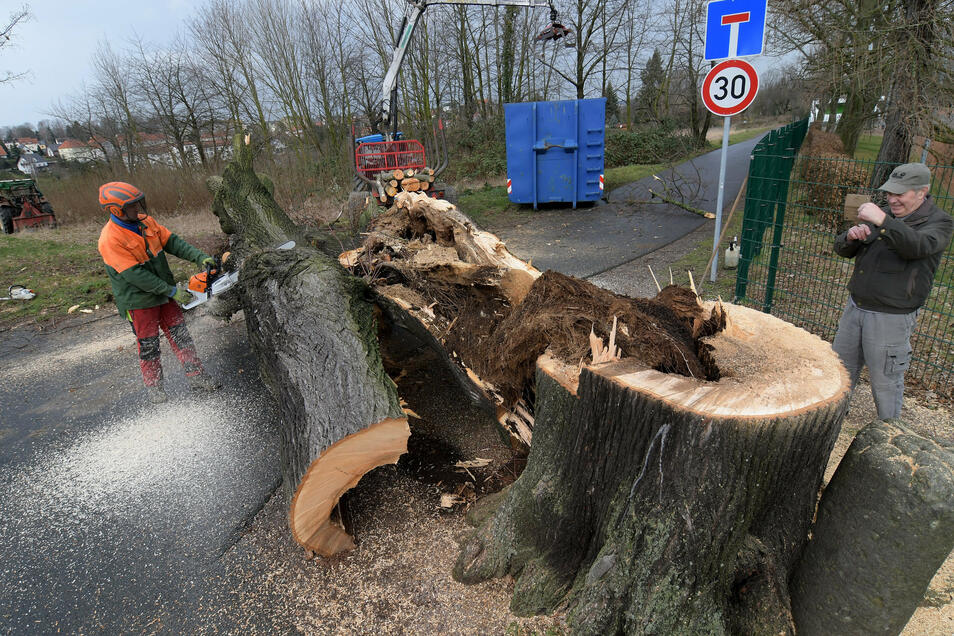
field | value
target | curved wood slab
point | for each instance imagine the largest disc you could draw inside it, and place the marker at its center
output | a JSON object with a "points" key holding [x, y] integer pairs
{"points": [[336, 471]]}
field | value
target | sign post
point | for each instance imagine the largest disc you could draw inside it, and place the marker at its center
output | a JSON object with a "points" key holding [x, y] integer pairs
{"points": [[734, 28]]}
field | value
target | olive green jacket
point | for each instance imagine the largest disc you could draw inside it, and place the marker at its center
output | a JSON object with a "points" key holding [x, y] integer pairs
{"points": [[896, 263], [137, 265]]}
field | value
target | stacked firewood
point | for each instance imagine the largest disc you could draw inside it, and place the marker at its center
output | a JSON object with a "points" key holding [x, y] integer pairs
{"points": [[388, 184]]}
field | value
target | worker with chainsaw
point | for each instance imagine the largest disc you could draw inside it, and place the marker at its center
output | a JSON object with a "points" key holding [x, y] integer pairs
{"points": [[133, 246], [897, 250]]}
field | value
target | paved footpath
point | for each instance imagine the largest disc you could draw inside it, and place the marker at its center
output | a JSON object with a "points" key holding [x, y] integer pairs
{"points": [[116, 512], [589, 241]]}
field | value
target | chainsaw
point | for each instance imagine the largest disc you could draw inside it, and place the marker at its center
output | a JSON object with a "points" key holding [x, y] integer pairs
{"points": [[213, 281]]}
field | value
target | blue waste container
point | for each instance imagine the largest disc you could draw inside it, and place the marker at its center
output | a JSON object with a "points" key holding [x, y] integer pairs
{"points": [[555, 151]]}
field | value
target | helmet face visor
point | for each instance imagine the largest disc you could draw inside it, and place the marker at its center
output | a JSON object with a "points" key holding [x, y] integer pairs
{"points": [[134, 208]]}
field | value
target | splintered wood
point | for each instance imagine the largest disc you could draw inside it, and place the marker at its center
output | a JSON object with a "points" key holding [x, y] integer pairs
{"points": [[493, 315]]}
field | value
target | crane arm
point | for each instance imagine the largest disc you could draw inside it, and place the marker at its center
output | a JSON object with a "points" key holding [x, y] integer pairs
{"points": [[389, 87]]}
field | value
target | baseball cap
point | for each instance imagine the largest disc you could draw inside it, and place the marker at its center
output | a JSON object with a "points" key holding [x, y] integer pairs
{"points": [[909, 176]]}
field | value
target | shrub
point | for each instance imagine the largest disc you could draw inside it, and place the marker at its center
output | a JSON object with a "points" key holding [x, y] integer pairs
{"points": [[828, 178], [477, 148], [645, 145], [75, 194]]}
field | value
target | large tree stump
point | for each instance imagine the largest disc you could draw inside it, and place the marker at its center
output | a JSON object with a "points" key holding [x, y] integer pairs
{"points": [[659, 503], [885, 525], [312, 327]]}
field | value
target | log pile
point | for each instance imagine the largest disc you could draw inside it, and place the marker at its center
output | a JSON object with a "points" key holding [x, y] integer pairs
{"points": [[388, 184]]}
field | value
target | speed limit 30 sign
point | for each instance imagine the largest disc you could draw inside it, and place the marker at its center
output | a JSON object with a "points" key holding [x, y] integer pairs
{"points": [[730, 87]]}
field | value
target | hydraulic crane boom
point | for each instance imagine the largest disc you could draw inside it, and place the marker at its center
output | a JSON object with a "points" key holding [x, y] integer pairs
{"points": [[388, 110]]}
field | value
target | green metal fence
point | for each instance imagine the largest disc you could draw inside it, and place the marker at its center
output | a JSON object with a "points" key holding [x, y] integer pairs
{"points": [[794, 207]]}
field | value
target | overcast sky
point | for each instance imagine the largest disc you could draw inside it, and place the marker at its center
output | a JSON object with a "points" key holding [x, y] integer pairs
{"points": [[56, 46]]}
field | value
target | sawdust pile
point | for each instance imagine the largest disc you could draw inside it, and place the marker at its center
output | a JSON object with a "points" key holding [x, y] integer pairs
{"points": [[431, 261]]}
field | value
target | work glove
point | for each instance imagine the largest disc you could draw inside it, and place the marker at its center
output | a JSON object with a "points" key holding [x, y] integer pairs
{"points": [[182, 297], [208, 260]]}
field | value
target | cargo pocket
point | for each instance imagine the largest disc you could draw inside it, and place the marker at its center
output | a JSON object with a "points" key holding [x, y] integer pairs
{"points": [[897, 359]]}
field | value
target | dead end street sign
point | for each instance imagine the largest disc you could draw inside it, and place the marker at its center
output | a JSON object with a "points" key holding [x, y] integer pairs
{"points": [[730, 87], [735, 28]]}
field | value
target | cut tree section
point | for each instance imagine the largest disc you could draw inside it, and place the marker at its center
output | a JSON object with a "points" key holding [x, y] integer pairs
{"points": [[677, 502], [336, 471]]}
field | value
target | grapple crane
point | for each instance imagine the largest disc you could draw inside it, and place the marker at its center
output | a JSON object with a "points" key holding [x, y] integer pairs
{"points": [[385, 149], [388, 112]]}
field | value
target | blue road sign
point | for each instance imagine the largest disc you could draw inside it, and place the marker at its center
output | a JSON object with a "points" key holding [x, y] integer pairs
{"points": [[735, 28]]}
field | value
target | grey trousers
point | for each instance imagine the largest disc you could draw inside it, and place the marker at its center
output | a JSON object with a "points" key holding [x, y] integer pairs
{"points": [[883, 343]]}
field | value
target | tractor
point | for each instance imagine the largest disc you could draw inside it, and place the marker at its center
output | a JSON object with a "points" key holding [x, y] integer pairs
{"points": [[23, 206]]}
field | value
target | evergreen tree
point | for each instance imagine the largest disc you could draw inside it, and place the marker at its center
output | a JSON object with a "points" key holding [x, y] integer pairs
{"points": [[651, 79], [612, 105]]}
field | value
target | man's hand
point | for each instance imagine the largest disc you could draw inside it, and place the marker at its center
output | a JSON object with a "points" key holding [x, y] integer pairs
{"points": [[182, 297], [208, 261], [871, 213], [858, 232]]}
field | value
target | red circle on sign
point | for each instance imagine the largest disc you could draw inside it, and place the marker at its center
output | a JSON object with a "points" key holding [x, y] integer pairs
{"points": [[752, 87]]}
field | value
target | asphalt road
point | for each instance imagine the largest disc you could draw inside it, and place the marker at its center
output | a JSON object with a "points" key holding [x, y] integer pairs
{"points": [[589, 241], [116, 512]]}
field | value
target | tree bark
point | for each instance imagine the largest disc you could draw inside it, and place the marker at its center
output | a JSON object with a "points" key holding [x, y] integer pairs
{"points": [[885, 525], [312, 328], [907, 112], [659, 503]]}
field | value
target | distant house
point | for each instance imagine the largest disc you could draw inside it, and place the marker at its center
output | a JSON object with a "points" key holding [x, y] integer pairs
{"points": [[3, 151], [52, 150], [30, 144], [31, 163], [75, 150]]}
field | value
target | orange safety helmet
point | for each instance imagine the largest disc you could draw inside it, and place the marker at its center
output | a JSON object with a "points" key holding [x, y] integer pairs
{"points": [[115, 195]]}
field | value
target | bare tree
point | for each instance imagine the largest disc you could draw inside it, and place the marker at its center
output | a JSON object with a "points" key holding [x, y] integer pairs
{"points": [[113, 93], [866, 55], [18, 16], [912, 105], [225, 37]]}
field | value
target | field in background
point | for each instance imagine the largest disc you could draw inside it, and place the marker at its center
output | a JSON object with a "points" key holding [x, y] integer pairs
{"points": [[64, 268]]}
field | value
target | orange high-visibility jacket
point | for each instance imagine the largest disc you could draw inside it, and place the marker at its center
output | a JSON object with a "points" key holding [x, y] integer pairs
{"points": [[137, 265]]}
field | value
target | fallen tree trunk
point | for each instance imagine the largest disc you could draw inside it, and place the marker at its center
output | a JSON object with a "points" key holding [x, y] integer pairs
{"points": [[312, 327], [667, 490]]}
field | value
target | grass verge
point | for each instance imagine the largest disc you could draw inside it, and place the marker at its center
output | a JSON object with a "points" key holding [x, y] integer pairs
{"points": [[61, 275], [63, 267], [697, 260]]}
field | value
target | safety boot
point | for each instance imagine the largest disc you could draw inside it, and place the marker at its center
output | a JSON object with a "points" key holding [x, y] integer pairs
{"points": [[155, 394]]}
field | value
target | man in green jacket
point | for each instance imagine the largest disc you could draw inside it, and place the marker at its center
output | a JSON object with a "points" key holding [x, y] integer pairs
{"points": [[897, 250], [133, 246]]}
